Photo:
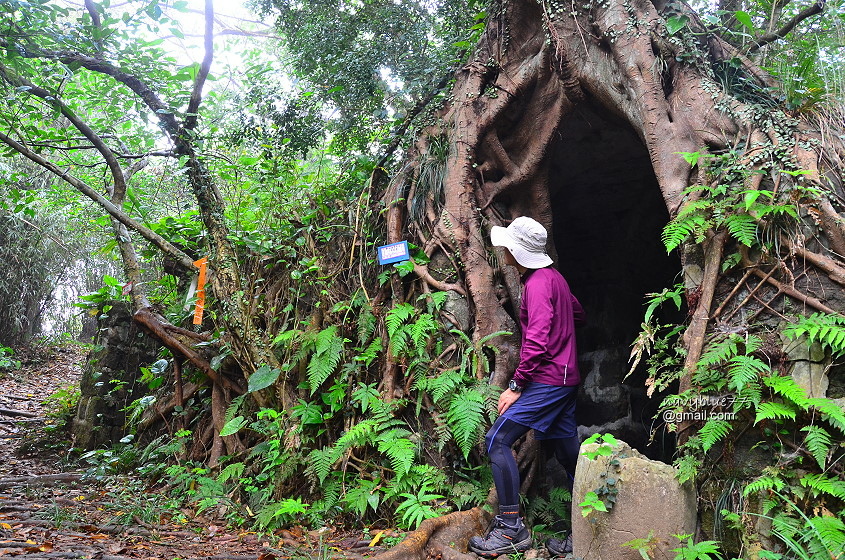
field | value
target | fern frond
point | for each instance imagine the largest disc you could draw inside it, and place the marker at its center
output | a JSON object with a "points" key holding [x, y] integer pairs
{"points": [[327, 355], [763, 483], [818, 443], [824, 328], [712, 432], [235, 407], [357, 436], [396, 317], [749, 396], [742, 227], [320, 463], [696, 206], [400, 450], [785, 386], [820, 484], [437, 299], [370, 353], [235, 470], [680, 228], [830, 532], [745, 370], [399, 341], [444, 384], [721, 351], [366, 324], [774, 411], [465, 418], [831, 411], [420, 330]]}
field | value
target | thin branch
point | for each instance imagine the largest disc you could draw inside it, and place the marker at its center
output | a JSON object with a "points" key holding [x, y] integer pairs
{"points": [[205, 67], [92, 11], [159, 153], [147, 95], [184, 260], [817, 8], [51, 99]]}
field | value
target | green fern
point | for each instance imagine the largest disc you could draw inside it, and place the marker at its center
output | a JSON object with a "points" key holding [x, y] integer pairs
{"points": [[713, 431], [818, 443], [400, 450], [444, 384], [826, 329], [742, 227], [745, 370], [820, 484], [421, 330], [774, 411], [363, 495], [370, 353], [396, 317], [229, 472], [417, 508], [234, 407], [327, 355], [830, 410], [366, 324], [681, 227], [830, 535], [320, 463], [785, 386], [721, 351], [749, 396], [466, 417], [763, 483]]}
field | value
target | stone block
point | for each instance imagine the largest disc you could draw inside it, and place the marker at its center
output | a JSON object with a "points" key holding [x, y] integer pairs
{"points": [[649, 500]]}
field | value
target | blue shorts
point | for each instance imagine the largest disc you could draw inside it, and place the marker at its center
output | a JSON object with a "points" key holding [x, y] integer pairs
{"points": [[548, 409]]}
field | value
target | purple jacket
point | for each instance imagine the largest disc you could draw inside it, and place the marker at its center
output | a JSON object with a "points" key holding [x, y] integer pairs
{"points": [[548, 317]]}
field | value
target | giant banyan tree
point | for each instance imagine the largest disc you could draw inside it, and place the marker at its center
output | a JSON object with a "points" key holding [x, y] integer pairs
{"points": [[607, 121]]}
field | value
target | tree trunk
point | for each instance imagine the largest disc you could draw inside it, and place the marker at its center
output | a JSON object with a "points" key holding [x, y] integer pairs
{"points": [[539, 66]]}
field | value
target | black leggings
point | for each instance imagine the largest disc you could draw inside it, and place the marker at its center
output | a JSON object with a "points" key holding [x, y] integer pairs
{"points": [[500, 440]]}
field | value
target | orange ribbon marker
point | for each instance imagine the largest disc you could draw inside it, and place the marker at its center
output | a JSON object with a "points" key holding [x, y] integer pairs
{"points": [[200, 305]]}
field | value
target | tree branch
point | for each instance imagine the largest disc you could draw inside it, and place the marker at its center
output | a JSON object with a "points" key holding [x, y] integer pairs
{"points": [[119, 190], [205, 67], [147, 95], [184, 260], [817, 8]]}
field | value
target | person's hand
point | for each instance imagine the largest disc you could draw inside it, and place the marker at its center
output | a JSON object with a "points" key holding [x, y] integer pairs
{"points": [[506, 399]]}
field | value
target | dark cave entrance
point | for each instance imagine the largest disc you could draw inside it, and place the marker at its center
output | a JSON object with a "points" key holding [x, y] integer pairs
{"points": [[608, 215]]}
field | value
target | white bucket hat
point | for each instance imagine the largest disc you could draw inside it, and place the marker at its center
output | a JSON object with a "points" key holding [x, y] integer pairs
{"points": [[525, 238]]}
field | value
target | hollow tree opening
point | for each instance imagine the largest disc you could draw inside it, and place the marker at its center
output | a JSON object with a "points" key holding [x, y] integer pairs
{"points": [[608, 214]]}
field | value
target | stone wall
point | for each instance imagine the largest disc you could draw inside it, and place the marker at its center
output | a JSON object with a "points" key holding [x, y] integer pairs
{"points": [[110, 378]]}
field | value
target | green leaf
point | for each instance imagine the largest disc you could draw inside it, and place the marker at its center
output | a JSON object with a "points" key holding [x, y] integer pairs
{"points": [[263, 378], [745, 19], [673, 25], [233, 426]]}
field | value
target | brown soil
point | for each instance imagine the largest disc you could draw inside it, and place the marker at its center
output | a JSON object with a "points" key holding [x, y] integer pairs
{"points": [[50, 509]]}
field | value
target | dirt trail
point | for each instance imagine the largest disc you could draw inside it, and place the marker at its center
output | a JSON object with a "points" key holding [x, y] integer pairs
{"points": [[48, 509]]}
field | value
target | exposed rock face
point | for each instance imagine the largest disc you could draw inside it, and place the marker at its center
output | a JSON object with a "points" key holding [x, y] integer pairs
{"points": [[650, 504], [110, 378]]}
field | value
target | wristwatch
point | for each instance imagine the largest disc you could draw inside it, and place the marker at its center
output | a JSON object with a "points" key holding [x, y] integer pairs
{"points": [[515, 387]]}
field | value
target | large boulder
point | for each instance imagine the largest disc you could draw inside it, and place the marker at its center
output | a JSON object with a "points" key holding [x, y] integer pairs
{"points": [[649, 504]]}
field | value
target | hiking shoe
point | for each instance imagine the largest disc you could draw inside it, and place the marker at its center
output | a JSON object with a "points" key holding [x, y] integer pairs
{"points": [[502, 539], [559, 547]]}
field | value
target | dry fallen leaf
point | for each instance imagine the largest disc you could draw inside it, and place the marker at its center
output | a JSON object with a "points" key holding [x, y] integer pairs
{"points": [[376, 539]]}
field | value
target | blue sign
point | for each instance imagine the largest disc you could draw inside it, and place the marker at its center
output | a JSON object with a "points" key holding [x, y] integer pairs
{"points": [[395, 252]]}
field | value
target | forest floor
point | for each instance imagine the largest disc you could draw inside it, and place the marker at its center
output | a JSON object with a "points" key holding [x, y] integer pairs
{"points": [[49, 508]]}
